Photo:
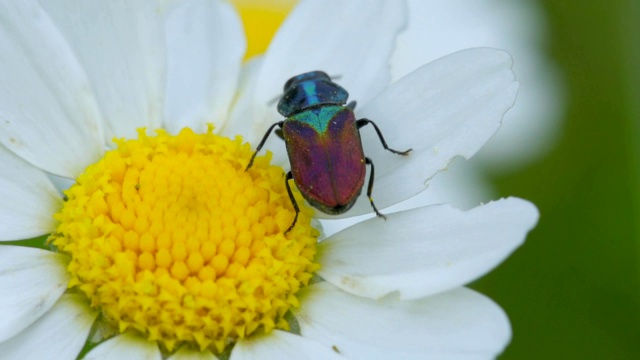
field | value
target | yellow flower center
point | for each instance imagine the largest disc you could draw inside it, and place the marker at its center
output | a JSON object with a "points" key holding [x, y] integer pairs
{"points": [[171, 238]]}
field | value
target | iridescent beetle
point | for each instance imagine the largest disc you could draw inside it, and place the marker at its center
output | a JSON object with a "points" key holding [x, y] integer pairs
{"points": [[323, 143]]}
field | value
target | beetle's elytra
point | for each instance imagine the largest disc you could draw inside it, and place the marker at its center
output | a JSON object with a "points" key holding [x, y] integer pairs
{"points": [[322, 137]]}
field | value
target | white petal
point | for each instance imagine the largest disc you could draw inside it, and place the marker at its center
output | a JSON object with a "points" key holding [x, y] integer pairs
{"points": [[60, 183], [350, 40], [205, 46], [185, 353], [281, 345], [61, 332], [31, 280], [462, 185], [424, 251], [242, 113], [120, 43], [125, 347], [450, 107], [48, 114], [28, 199], [459, 324]]}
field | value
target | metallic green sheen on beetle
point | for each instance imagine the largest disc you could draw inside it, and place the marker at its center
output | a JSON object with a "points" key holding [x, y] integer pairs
{"points": [[323, 143]]}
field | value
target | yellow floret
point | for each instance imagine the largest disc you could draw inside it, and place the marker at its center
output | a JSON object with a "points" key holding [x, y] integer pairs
{"points": [[170, 237]]}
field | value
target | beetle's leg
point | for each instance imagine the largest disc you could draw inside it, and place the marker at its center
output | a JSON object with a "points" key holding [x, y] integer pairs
{"points": [[279, 133], [293, 200], [352, 105], [363, 122], [370, 188], [264, 139]]}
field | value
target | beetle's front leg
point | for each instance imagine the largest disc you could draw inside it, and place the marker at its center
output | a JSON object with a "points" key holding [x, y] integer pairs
{"points": [[363, 122], [264, 139], [293, 200]]}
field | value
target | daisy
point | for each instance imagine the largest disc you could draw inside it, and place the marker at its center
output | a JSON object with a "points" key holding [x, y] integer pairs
{"points": [[163, 246]]}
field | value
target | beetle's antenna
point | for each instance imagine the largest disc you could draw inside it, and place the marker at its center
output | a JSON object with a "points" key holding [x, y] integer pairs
{"points": [[335, 77]]}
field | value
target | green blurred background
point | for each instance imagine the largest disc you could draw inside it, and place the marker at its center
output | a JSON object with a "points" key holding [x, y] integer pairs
{"points": [[573, 290]]}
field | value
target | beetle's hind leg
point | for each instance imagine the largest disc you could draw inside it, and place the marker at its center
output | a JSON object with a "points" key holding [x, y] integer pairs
{"points": [[264, 139], [293, 200], [363, 122], [370, 188]]}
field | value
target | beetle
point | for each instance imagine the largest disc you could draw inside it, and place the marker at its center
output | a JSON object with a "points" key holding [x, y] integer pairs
{"points": [[322, 138]]}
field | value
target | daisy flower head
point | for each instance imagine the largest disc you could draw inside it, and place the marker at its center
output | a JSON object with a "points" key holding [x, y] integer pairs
{"points": [[163, 246]]}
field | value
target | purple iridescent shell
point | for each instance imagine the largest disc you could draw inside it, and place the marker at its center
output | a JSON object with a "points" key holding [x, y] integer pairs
{"points": [[326, 156]]}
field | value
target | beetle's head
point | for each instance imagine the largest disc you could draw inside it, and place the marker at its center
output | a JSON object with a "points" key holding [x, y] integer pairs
{"points": [[311, 75], [311, 89]]}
